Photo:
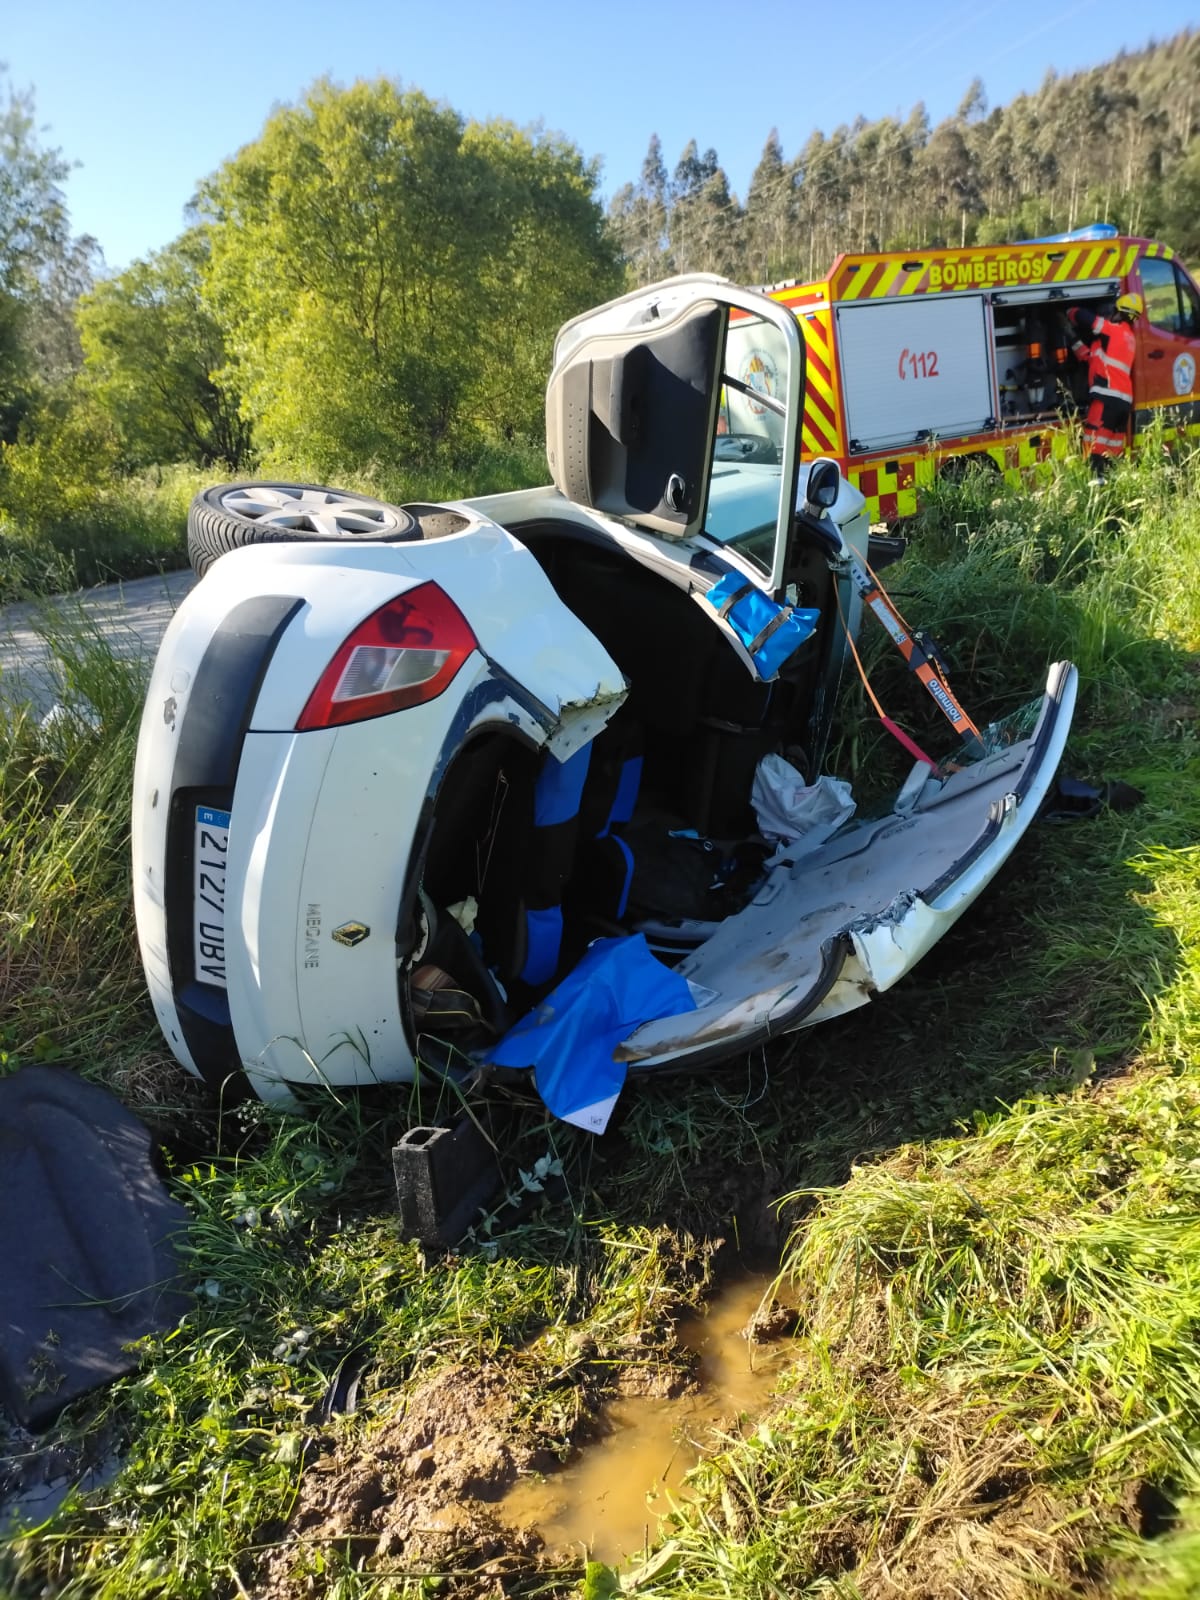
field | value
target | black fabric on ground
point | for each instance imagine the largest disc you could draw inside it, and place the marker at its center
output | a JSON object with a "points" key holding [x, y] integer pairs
{"points": [[87, 1261], [1073, 799]]}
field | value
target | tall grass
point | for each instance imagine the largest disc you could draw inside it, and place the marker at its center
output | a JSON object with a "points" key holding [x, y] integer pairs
{"points": [[998, 1390], [60, 530], [1009, 580], [70, 987], [992, 1173], [445, 475]]}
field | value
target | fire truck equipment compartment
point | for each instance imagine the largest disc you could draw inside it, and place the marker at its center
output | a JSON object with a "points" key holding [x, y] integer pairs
{"points": [[921, 367]]}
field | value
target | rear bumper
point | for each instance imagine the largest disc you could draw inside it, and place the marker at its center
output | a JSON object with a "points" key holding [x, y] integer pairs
{"points": [[322, 829], [198, 709]]}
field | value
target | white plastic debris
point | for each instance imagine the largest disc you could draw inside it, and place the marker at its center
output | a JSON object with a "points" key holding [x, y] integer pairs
{"points": [[791, 812]]}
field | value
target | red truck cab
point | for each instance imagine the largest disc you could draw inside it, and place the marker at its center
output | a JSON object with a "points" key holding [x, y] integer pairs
{"points": [[1166, 370]]}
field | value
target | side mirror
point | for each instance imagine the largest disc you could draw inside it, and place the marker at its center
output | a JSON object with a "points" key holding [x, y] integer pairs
{"points": [[819, 496], [823, 486]]}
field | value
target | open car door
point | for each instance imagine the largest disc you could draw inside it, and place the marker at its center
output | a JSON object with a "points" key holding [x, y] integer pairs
{"points": [[678, 408]]}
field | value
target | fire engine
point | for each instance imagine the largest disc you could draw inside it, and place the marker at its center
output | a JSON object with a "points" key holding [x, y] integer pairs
{"points": [[922, 361]]}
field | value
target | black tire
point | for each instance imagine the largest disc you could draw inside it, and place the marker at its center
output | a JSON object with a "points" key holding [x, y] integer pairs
{"points": [[231, 515]]}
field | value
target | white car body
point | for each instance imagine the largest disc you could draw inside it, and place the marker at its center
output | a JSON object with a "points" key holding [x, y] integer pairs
{"points": [[328, 825]]}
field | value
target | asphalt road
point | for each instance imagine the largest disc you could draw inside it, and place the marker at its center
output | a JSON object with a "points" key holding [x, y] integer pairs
{"points": [[132, 615]]}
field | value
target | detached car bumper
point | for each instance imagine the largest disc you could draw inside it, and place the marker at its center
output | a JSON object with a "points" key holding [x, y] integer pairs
{"points": [[834, 927]]}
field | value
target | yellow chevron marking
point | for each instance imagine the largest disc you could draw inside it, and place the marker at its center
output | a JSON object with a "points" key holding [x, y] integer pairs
{"points": [[861, 274], [819, 386], [816, 333], [1066, 267], [823, 387], [813, 443], [821, 354], [890, 275]]}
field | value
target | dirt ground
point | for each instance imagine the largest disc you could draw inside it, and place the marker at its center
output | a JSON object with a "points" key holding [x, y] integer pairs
{"points": [[422, 1491], [417, 1490]]}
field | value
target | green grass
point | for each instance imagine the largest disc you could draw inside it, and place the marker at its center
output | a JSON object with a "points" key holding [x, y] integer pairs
{"points": [[445, 475], [60, 532], [62, 529], [993, 1172]]}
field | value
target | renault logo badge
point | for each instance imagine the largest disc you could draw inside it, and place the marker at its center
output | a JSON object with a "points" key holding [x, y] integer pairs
{"points": [[351, 933]]}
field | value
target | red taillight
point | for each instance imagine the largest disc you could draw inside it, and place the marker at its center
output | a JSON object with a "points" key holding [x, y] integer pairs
{"points": [[405, 653]]}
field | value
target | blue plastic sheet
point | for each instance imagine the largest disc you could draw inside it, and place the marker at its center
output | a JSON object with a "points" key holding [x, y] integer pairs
{"points": [[570, 1037], [770, 632]]}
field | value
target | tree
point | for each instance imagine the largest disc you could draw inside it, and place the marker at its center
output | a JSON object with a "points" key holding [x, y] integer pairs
{"points": [[370, 256], [552, 258], [973, 106], [42, 268], [1114, 142], [953, 180], [704, 226], [151, 348], [1175, 205], [770, 219], [638, 218]]}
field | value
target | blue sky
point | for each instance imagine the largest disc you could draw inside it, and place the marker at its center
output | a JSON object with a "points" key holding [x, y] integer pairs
{"points": [[150, 95]]}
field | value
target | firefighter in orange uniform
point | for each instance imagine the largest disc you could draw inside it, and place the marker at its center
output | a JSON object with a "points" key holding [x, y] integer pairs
{"points": [[1107, 344]]}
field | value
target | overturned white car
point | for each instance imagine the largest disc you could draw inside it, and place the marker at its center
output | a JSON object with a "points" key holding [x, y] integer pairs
{"points": [[433, 787]]}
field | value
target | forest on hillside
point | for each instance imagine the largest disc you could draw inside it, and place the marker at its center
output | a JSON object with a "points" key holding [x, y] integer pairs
{"points": [[374, 283], [1119, 143]]}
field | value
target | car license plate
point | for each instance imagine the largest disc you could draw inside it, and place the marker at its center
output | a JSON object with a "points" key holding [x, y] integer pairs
{"points": [[208, 904]]}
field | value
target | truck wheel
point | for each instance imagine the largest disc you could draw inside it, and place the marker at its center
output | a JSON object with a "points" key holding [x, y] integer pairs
{"points": [[231, 515]]}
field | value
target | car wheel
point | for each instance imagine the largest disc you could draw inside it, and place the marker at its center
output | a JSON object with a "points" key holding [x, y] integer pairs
{"points": [[231, 515]]}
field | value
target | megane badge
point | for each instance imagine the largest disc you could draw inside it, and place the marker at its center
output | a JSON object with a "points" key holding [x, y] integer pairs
{"points": [[351, 933]]}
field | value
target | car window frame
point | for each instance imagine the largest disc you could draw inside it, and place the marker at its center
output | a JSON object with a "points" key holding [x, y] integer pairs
{"points": [[784, 320], [617, 321]]}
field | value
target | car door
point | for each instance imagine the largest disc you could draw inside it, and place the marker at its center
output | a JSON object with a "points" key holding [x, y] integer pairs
{"points": [[1167, 367], [677, 408]]}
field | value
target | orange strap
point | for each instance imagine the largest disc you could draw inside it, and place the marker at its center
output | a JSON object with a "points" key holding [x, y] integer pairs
{"points": [[896, 732], [876, 597]]}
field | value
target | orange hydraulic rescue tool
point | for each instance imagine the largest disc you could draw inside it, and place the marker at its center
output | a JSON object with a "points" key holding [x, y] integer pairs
{"points": [[918, 649]]}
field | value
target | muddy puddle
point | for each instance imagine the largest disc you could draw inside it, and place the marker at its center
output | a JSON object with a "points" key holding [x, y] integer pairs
{"points": [[610, 1497]]}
